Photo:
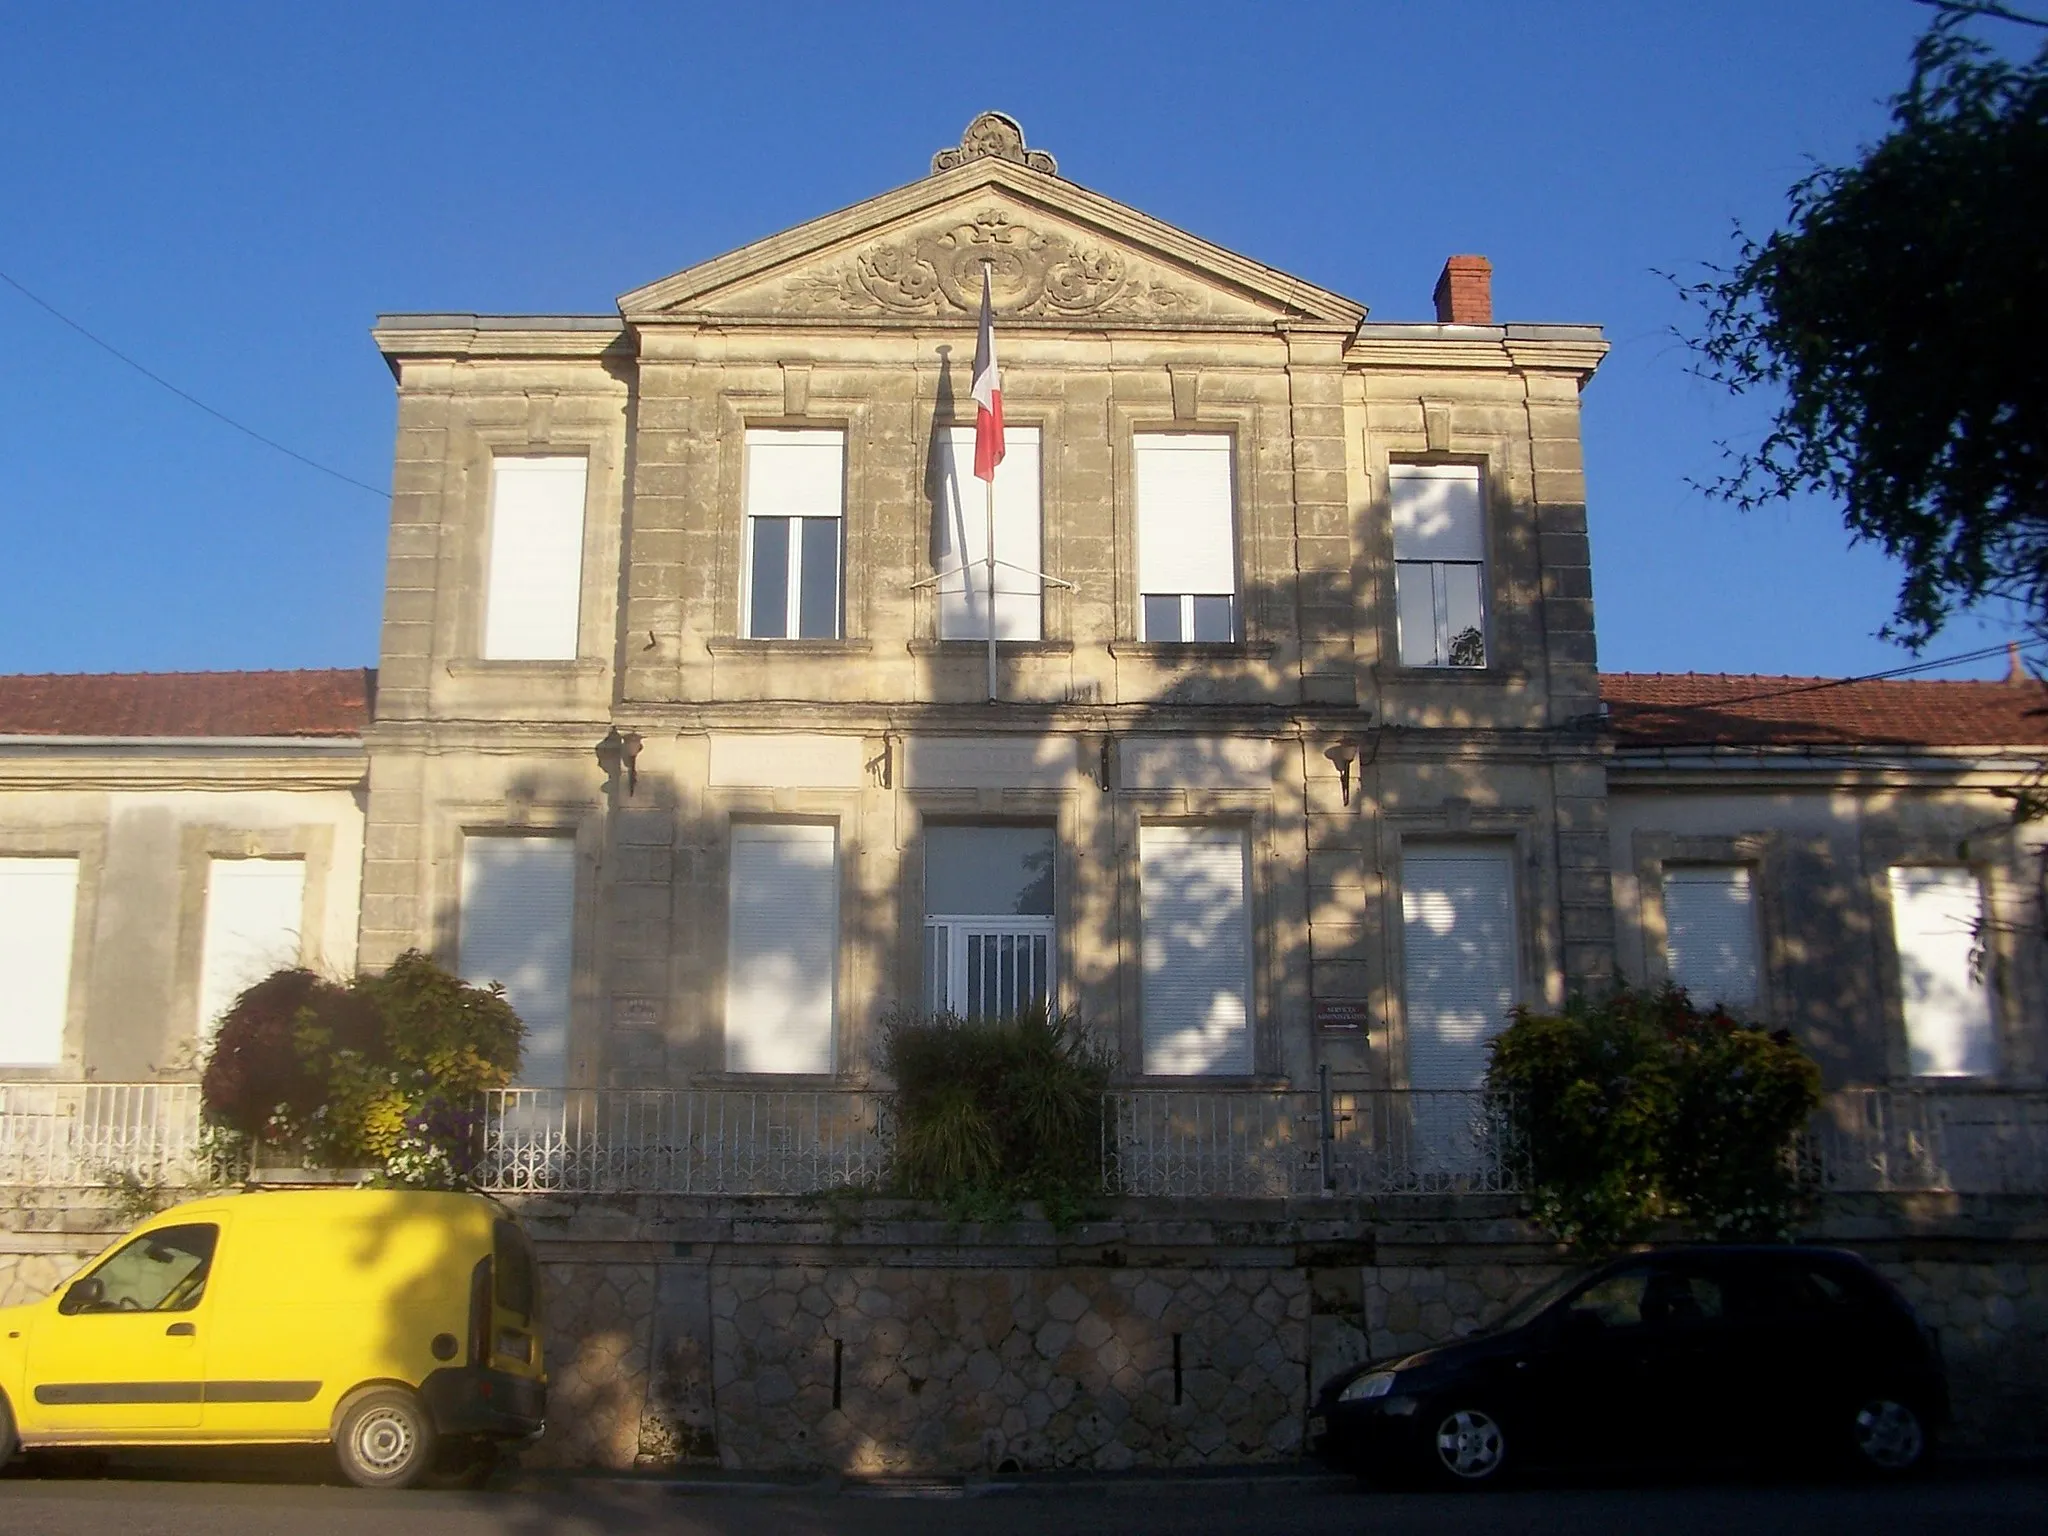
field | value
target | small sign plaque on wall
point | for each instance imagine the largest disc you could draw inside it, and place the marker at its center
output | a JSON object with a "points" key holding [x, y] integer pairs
{"points": [[1342, 1013], [636, 1013]]}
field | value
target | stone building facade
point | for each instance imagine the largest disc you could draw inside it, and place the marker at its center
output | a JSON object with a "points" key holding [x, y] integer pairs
{"points": [[1300, 741]]}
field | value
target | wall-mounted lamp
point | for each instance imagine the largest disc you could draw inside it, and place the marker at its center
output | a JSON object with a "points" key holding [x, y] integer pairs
{"points": [[1342, 754], [618, 754]]}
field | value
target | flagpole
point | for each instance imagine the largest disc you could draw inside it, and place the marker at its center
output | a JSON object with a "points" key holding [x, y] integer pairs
{"points": [[988, 503]]}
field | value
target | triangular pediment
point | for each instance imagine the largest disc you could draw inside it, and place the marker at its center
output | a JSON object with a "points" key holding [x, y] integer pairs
{"points": [[1057, 253]]}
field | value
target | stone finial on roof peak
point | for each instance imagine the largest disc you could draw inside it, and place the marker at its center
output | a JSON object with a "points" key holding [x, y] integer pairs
{"points": [[994, 136]]}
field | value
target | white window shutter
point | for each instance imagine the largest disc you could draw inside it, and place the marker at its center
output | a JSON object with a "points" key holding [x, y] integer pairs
{"points": [[1458, 952], [962, 539], [783, 949], [1437, 513], [1949, 1022], [798, 472], [38, 898], [1710, 934], [1196, 1014], [518, 929], [1186, 527], [254, 913], [534, 589]]}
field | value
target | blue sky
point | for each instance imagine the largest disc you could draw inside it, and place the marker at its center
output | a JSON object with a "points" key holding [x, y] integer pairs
{"points": [[230, 194]]}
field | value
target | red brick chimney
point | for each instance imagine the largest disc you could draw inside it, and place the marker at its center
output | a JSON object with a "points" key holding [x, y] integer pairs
{"points": [[1464, 294]]}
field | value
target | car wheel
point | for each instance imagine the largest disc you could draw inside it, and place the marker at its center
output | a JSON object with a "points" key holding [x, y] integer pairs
{"points": [[1887, 1435], [384, 1439], [9, 1446], [1467, 1448]]}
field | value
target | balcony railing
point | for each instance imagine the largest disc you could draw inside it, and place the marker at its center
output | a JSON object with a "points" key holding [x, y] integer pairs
{"points": [[1174, 1143]]}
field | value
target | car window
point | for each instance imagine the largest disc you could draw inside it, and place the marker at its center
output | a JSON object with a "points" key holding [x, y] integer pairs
{"points": [[1653, 1298], [160, 1271], [1673, 1299], [1616, 1301], [1792, 1292]]}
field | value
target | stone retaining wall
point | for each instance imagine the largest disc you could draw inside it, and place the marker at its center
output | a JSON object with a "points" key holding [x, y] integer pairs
{"points": [[760, 1337]]}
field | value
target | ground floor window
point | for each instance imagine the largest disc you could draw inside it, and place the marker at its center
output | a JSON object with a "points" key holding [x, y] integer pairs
{"points": [[1195, 1016], [253, 916], [518, 928], [1458, 958], [37, 899], [782, 948], [1944, 981], [1710, 933], [988, 930]]}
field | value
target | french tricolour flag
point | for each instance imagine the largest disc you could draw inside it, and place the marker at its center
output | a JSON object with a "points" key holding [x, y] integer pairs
{"points": [[988, 393]]}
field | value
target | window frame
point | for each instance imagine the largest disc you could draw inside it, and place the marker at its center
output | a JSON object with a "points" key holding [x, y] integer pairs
{"points": [[1233, 537], [487, 606], [1442, 640], [797, 521], [1755, 1004]]}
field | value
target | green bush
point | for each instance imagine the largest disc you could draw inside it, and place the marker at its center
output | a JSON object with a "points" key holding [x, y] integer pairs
{"points": [[989, 1113], [383, 1070], [1640, 1109]]}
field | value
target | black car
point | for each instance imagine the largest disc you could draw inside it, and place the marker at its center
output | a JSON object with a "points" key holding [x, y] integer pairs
{"points": [[1676, 1355]]}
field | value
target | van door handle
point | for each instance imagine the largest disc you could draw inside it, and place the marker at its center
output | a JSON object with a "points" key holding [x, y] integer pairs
{"points": [[181, 1331]]}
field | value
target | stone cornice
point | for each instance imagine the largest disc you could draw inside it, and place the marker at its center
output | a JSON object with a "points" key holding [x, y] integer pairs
{"points": [[1813, 769], [76, 763], [403, 337], [1572, 349]]}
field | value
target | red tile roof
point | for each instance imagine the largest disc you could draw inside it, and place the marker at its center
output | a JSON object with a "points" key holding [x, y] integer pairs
{"points": [[310, 703], [1718, 709]]}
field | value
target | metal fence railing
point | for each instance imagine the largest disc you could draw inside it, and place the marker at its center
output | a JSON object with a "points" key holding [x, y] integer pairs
{"points": [[1187, 1142], [1182, 1142], [1938, 1140], [73, 1134], [682, 1141]]}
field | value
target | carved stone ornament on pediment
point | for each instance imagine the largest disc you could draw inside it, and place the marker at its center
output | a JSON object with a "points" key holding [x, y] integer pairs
{"points": [[1033, 271], [994, 135]]}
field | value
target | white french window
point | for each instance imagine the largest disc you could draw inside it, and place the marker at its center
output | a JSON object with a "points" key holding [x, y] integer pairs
{"points": [[1710, 946], [518, 929], [1938, 925], [988, 929], [254, 913], [796, 481], [1195, 1017], [38, 897], [782, 952], [534, 582], [1187, 537], [1439, 564], [960, 542]]}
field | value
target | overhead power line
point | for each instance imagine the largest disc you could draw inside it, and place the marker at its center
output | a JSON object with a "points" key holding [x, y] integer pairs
{"points": [[190, 399]]}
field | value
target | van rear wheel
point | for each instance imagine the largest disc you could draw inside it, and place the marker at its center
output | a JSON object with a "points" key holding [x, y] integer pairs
{"points": [[9, 1447], [384, 1439]]}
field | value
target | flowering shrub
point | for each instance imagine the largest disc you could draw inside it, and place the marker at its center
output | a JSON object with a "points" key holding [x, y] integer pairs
{"points": [[1641, 1109], [386, 1071]]}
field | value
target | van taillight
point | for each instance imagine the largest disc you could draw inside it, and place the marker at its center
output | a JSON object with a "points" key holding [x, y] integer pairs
{"points": [[480, 1313]]}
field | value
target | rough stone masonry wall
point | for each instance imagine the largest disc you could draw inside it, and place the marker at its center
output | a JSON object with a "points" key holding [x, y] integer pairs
{"points": [[707, 1336]]}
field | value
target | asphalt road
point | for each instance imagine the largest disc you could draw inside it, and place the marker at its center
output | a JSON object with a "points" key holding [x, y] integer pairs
{"points": [[273, 1499]]}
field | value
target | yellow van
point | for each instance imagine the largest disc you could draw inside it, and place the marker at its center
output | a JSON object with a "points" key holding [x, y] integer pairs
{"points": [[402, 1326]]}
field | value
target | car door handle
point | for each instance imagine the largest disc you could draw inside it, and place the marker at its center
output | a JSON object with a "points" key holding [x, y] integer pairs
{"points": [[181, 1331]]}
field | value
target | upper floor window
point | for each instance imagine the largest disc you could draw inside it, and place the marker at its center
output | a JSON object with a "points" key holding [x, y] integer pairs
{"points": [[1187, 543], [961, 543], [1439, 564], [795, 499], [254, 913], [534, 587]]}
